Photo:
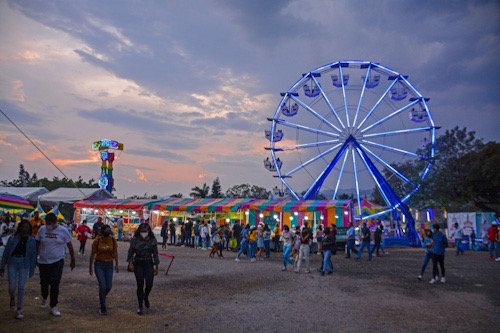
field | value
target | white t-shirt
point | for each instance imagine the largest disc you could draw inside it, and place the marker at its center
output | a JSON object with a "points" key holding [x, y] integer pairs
{"points": [[52, 244]]}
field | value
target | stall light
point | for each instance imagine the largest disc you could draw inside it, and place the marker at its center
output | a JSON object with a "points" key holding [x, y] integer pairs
{"points": [[291, 218], [175, 219], [322, 217], [228, 220], [428, 216], [275, 216], [133, 213], [156, 211], [295, 213], [261, 215], [121, 211], [306, 217], [357, 228], [96, 211], [346, 213], [247, 212], [336, 216]]}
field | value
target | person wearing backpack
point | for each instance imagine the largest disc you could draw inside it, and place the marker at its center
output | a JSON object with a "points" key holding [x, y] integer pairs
{"points": [[365, 242], [104, 252]]}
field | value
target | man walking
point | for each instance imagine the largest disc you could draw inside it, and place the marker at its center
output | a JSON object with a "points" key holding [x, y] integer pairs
{"points": [[457, 235], [365, 242], [51, 241], [350, 241]]}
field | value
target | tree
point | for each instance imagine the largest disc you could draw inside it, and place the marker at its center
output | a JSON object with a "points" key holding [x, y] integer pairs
{"points": [[239, 191], [258, 192], [216, 189], [25, 180], [200, 192], [176, 195]]}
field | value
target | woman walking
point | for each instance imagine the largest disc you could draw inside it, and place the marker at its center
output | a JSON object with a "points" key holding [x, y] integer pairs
{"points": [[260, 241], [427, 244], [328, 247], [20, 258], [319, 238], [143, 261], [288, 237], [267, 240], [83, 232], [438, 250], [104, 251]]}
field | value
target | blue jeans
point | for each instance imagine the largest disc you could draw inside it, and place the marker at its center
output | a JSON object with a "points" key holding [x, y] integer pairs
{"points": [[350, 247], [327, 261], [18, 274], [267, 246], [363, 245], [253, 245], [287, 250], [427, 258], [120, 234], [458, 244], [243, 246], [491, 248], [497, 250], [196, 241], [104, 275]]}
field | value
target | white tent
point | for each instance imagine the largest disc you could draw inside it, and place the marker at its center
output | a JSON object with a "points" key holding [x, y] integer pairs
{"points": [[28, 193], [71, 195]]}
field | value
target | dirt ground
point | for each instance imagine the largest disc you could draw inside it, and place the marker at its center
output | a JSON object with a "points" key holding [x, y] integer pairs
{"points": [[221, 295]]}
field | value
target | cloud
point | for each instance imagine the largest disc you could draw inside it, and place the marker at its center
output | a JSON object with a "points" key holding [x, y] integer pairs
{"points": [[161, 154], [140, 176]]}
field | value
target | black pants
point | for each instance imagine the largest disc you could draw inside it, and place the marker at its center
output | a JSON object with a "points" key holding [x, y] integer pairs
{"points": [[172, 238], [437, 258], [82, 246], [376, 247], [50, 275], [276, 243], [144, 272]]}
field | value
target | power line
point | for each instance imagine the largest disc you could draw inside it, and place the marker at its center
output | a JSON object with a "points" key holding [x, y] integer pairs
{"points": [[40, 150]]}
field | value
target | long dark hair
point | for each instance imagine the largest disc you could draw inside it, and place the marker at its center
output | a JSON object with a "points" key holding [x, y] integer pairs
{"points": [[137, 233], [22, 224]]}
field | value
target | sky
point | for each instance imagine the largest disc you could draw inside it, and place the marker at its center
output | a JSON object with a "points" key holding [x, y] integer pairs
{"points": [[187, 86]]}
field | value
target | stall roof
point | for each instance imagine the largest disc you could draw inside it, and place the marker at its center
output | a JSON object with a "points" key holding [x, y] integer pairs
{"points": [[367, 208], [287, 205], [71, 194], [133, 204], [10, 201], [28, 193], [235, 204]]}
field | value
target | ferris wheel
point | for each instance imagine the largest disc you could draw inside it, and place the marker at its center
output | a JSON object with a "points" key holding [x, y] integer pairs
{"points": [[341, 128]]}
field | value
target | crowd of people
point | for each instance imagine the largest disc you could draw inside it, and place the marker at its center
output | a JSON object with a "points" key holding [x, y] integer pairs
{"points": [[45, 243]]}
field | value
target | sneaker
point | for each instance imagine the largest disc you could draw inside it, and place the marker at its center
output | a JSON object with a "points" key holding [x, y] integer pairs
{"points": [[19, 314], [140, 311], [308, 271], [443, 280], [433, 281], [497, 259], [237, 259], [283, 269], [419, 278], [252, 260], [103, 312], [44, 304], [55, 312]]}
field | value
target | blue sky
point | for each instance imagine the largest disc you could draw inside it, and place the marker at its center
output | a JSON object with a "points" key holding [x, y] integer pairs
{"points": [[187, 85]]}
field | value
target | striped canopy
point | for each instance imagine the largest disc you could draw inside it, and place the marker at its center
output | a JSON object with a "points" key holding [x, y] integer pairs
{"points": [[205, 205], [9, 201], [287, 205]]}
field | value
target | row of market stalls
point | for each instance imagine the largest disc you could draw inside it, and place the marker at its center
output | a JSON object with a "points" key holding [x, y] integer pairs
{"points": [[221, 210]]}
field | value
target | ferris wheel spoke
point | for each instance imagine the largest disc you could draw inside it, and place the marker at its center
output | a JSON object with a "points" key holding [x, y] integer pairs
{"points": [[386, 199], [340, 174], [378, 102], [343, 93], [391, 115], [356, 180], [361, 96], [316, 114], [387, 165], [402, 151], [419, 129], [327, 100], [304, 145], [302, 127], [300, 166], [316, 186]]}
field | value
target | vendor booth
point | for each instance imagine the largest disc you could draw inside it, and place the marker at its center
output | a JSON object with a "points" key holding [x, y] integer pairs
{"points": [[14, 203], [133, 211]]}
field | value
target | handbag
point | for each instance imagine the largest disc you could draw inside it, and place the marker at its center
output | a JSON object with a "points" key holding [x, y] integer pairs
{"points": [[130, 267]]}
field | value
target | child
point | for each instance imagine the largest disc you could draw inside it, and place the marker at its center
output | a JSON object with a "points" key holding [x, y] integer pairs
{"points": [[427, 244]]}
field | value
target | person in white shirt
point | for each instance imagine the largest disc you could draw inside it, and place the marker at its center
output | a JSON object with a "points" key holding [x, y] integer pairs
{"points": [[458, 235], [51, 242]]}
